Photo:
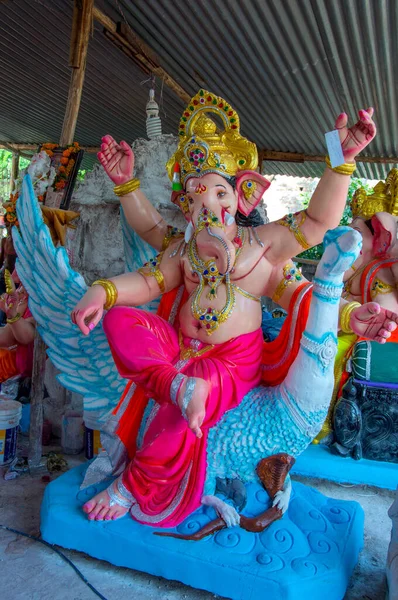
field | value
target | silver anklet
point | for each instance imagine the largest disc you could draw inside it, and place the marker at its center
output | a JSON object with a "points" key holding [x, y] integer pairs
{"points": [[115, 499], [189, 390], [175, 386]]}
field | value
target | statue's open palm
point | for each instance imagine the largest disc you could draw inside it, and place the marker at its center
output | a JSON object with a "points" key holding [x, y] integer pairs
{"points": [[356, 138], [117, 160], [373, 322]]}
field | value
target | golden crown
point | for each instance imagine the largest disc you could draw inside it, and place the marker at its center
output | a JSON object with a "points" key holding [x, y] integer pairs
{"points": [[203, 149], [384, 198]]}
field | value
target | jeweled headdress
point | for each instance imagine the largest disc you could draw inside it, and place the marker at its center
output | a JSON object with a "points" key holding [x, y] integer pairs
{"points": [[384, 198], [203, 149]]}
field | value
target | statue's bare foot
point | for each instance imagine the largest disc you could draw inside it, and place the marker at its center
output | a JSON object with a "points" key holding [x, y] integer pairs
{"points": [[195, 409], [111, 504]]}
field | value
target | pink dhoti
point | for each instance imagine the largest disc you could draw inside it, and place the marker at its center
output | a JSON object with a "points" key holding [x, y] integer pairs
{"points": [[167, 474]]}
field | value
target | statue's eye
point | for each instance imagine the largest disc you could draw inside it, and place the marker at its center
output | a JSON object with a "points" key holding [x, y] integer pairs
{"points": [[190, 200], [220, 194]]}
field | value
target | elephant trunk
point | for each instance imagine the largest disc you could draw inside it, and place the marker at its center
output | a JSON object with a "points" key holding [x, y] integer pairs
{"points": [[213, 244]]}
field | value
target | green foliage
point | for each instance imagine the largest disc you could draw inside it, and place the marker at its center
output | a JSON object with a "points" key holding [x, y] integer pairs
{"points": [[5, 171], [316, 252]]}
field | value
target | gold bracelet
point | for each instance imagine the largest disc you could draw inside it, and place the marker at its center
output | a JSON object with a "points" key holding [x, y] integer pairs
{"points": [[345, 169], [126, 188], [345, 316], [110, 290], [14, 319], [172, 233]]}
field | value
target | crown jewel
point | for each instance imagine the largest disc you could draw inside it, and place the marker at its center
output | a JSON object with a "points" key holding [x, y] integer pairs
{"points": [[384, 198], [203, 149]]}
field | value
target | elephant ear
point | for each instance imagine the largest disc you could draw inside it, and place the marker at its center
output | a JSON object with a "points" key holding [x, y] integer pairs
{"points": [[385, 232], [180, 199], [250, 187]]}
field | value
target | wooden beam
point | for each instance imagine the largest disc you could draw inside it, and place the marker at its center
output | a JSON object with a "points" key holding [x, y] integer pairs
{"points": [[136, 49], [81, 30], [296, 157], [34, 147]]}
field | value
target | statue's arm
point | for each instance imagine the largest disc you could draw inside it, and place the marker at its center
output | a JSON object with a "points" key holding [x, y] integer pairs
{"points": [[22, 330], [144, 218], [159, 275], [7, 337]]}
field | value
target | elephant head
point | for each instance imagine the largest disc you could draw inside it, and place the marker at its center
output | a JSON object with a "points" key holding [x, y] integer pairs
{"points": [[214, 175], [375, 217], [210, 204], [379, 235]]}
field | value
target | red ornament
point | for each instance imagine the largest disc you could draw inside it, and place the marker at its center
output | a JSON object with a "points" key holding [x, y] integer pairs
{"points": [[195, 102], [220, 105], [186, 114], [230, 113], [233, 127], [238, 241], [209, 98]]}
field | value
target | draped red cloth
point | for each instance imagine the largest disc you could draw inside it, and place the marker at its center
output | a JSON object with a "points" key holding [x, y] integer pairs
{"points": [[166, 475]]}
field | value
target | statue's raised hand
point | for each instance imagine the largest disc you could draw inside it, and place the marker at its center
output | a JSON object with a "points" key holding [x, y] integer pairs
{"points": [[88, 312], [117, 160], [373, 322], [356, 138]]}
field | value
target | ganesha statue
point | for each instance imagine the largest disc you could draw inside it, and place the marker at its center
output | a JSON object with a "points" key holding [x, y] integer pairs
{"points": [[202, 397]]}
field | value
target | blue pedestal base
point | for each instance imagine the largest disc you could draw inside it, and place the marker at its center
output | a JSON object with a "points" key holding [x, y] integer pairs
{"points": [[318, 461], [310, 553]]}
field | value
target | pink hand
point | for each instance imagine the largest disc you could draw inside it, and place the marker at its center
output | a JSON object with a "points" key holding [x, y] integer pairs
{"points": [[357, 137], [373, 322], [117, 160], [88, 312]]}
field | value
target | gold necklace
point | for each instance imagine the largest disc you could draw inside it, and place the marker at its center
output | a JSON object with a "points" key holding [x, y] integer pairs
{"points": [[211, 318]]}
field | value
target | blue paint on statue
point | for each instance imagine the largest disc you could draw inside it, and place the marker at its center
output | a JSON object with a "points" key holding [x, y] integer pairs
{"points": [[310, 553]]}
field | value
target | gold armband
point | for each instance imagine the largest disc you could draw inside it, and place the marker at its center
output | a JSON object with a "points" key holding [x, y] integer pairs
{"points": [[171, 234], [14, 319], [126, 188], [345, 169], [290, 274], [345, 316], [154, 271], [292, 222], [110, 290]]}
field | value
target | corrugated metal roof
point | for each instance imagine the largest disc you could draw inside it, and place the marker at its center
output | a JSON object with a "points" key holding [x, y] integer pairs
{"points": [[288, 67]]}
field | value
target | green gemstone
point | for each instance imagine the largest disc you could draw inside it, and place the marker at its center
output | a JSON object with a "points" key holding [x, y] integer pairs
{"points": [[181, 133], [201, 93], [214, 101], [183, 118], [232, 120], [191, 108], [214, 219], [242, 162], [226, 108]]}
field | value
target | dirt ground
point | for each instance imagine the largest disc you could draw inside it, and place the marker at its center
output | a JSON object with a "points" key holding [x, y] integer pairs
{"points": [[30, 571]]}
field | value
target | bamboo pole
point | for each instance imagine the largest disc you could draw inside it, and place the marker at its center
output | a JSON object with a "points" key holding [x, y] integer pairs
{"points": [[81, 29]]}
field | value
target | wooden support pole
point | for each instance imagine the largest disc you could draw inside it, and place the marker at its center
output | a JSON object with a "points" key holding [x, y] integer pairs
{"points": [[81, 30], [14, 169], [36, 404]]}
